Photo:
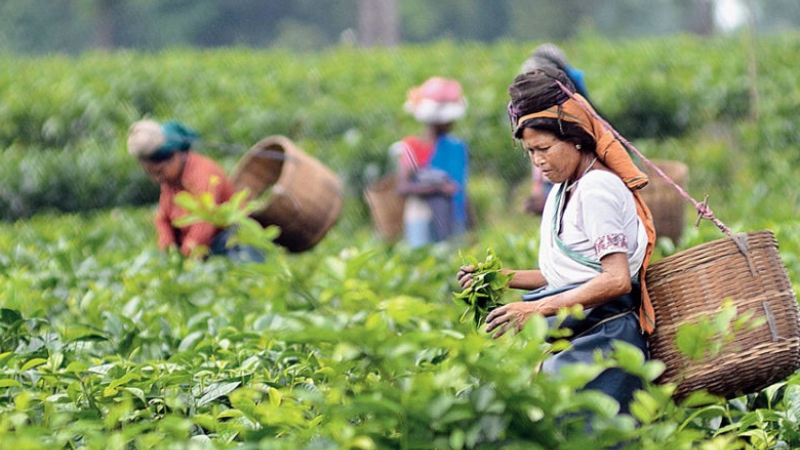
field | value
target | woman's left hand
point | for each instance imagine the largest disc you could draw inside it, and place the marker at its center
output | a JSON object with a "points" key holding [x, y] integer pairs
{"points": [[511, 315], [464, 276]]}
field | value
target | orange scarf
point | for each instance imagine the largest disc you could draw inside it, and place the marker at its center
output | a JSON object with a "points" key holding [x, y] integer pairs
{"points": [[611, 153]]}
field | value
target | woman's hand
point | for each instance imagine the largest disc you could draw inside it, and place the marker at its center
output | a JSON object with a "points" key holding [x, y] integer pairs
{"points": [[464, 276], [449, 188], [512, 315]]}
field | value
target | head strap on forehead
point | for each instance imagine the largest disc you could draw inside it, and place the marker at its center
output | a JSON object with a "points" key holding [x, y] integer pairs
{"points": [[558, 113]]}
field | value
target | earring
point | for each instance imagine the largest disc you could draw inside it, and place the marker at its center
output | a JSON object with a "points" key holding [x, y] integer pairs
{"points": [[577, 146]]}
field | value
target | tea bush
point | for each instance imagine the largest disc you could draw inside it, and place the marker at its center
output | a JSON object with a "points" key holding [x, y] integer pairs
{"points": [[107, 343], [344, 106], [112, 345]]}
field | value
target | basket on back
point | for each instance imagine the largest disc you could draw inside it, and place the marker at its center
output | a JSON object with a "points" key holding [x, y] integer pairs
{"points": [[695, 282], [665, 203], [305, 196], [386, 207]]}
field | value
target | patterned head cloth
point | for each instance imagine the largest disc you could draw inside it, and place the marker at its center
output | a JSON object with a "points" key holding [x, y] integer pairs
{"points": [[437, 101], [536, 91], [147, 139]]}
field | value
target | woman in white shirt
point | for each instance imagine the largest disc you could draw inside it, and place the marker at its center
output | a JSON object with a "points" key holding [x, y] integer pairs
{"points": [[596, 233]]}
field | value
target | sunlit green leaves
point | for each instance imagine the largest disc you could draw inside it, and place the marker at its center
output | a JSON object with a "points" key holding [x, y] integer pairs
{"points": [[486, 290], [155, 348]]}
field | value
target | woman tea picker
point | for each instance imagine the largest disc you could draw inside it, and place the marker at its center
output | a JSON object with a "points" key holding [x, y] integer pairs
{"points": [[165, 152], [433, 168], [596, 232]]}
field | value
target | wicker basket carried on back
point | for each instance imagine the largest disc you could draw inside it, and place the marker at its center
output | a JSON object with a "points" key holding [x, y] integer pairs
{"points": [[386, 207], [694, 283], [665, 203], [305, 196]]}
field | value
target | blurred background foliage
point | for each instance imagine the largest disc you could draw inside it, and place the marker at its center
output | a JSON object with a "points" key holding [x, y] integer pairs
{"points": [[75, 26], [63, 119], [707, 82]]}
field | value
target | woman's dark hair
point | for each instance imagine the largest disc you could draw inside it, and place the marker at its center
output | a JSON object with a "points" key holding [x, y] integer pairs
{"points": [[564, 131]]}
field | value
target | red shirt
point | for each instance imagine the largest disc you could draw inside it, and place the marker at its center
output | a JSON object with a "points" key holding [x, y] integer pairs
{"points": [[417, 152], [196, 179]]}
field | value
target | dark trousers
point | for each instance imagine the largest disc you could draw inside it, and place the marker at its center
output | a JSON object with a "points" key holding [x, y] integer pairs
{"points": [[236, 253]]}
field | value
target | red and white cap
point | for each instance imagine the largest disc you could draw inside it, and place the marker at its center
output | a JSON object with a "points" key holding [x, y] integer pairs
{"points": [[437, 101]]}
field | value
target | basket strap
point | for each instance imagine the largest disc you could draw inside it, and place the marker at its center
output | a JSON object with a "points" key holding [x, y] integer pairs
{"points": [[703, 211], [773, 328], [741, 243], [702, 208]]}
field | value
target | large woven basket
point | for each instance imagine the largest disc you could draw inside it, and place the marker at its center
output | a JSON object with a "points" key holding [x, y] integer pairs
{"points": [[695, 282], [664, 201], [305, 197], [386, 207]]}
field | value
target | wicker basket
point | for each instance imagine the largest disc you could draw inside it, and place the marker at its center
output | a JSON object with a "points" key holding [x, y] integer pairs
{"points": [[386, 207], [694, 283], [305, 196], [664, 201]]}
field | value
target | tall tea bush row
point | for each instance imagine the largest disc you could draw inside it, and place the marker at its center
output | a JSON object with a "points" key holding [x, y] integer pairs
{"points": [[344, 106], [34, 180]]}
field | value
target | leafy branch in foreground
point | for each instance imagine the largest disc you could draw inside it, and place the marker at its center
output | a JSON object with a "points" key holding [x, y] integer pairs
{"points": [[485, 293], [235, 212]]}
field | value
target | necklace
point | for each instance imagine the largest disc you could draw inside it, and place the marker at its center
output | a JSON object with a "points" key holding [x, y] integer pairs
{"points": [[589, 167]]}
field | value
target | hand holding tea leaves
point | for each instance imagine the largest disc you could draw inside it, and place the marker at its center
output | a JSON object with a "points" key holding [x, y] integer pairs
{"points": [[486, 291]]}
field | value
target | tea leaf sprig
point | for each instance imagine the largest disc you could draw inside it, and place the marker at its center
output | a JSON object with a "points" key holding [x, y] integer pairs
{"points": [[486, 292]]}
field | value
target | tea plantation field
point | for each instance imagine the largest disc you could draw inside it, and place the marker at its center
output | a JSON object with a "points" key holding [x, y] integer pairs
{"points": [[106, 343]]}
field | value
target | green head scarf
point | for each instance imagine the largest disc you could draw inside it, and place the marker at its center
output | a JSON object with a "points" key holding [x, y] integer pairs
{"points": [[177, 138]]}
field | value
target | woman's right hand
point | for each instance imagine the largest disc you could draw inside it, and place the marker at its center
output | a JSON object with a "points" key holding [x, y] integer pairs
{"points": [[449, 188], [464, 276]]}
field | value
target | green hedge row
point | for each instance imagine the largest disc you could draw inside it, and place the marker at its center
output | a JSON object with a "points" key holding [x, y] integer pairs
{"points": [[63, 120]]}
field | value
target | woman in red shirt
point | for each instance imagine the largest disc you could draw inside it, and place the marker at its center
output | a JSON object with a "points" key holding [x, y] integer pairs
{"points": [[165, 153]]}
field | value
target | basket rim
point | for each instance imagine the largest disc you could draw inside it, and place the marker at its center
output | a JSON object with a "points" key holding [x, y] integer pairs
{"points": [[723, 243]]}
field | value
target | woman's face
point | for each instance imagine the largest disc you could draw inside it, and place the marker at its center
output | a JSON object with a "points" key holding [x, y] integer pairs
{"points": [[558, 160], [168, 171]]}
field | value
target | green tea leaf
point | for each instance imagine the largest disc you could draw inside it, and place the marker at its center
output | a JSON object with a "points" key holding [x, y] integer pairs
{"points": [[486, 292]]}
